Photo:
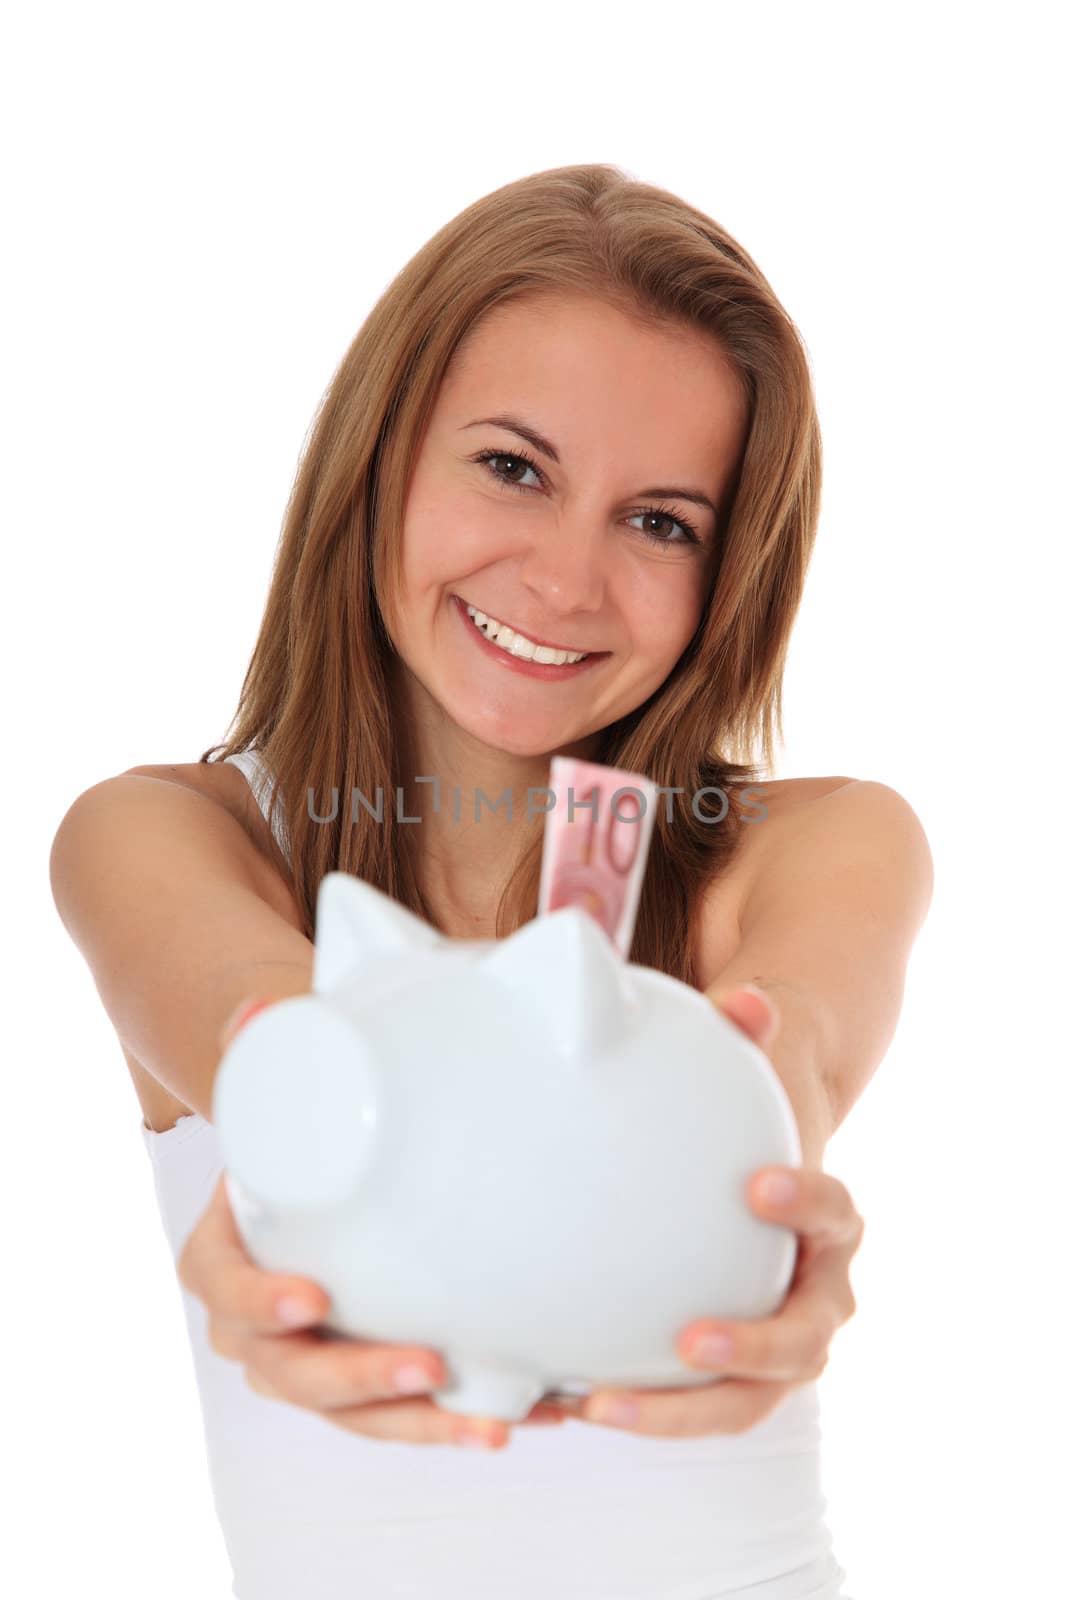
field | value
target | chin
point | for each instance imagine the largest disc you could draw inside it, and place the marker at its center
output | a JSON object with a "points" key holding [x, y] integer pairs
{"points": [[512, 744]]}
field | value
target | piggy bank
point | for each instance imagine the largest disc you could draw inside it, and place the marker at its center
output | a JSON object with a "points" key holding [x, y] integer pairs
{"points": [[526, 1154]]}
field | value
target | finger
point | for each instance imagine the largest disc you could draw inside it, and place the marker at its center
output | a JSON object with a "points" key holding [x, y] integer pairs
{"points": [[295, 1377], [820, 1206], [791, 1346], [730, 1406], [330, 1374], [243, 1012], [544, 1412], [245, 1326], [215, 1266], [270, 1301], [751, 1009], [260, 1385], [412, 1421], [421, 1422], [385, 1418]]}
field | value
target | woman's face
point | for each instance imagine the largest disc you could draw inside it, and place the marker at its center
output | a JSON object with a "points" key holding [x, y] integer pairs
{"points": [[589, 552]]}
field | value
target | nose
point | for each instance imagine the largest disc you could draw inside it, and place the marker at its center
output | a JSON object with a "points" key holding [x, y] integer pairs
{"points": [[564, 566]]}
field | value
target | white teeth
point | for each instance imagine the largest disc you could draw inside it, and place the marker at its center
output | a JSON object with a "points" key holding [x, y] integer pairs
{"points": [[514, 643]]}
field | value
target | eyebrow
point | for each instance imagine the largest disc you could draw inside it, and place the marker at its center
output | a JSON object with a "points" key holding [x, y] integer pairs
{"points": [[515, 424]]}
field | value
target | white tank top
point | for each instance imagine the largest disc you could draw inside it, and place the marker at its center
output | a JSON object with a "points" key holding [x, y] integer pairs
{"points": [[572, 1512]]}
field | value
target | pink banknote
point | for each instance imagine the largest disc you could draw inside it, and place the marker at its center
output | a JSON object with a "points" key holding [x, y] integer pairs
{"points": [[597, 835]]}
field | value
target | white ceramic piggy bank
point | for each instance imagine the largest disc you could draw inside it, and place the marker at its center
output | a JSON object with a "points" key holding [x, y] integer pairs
{"points": [[526, 1154]]}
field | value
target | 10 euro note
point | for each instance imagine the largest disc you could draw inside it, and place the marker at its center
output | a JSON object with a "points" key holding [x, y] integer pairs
{"points": [[597, 833]]}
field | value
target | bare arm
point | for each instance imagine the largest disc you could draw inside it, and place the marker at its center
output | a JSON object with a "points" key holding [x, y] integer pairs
{"points": [[827, 928], [172, 907]]}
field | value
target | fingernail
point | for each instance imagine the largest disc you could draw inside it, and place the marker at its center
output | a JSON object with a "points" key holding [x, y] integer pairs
{"points": [[714, 1348], [412, 1380], [475, 1436], [294, 1312], [777, 1190], [753, 988], [621, 1412], [246, 1012]]}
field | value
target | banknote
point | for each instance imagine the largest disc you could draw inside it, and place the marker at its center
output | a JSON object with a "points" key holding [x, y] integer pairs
{"points": [[597, 835]]}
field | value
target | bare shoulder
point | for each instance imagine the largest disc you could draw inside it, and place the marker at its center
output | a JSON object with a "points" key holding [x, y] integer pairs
{"points": [[866, 828], [226, 785], [782, 796], [798, 826], [767, 810], [841, 805], [220, 781], [848, 816], [771, 809]]}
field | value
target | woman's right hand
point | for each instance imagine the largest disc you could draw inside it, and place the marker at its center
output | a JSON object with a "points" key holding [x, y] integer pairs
{"points": [[352, 1383]]}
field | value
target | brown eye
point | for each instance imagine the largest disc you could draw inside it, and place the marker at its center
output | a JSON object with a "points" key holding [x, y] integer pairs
{"points": [[688, 534], [489, 456]]}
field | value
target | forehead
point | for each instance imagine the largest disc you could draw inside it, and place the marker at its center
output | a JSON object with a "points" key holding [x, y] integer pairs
{"points": [[576, 366], [561, 323]]}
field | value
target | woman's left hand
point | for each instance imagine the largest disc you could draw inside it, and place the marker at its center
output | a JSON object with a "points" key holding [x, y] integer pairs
{"points": [[771, 1355]]}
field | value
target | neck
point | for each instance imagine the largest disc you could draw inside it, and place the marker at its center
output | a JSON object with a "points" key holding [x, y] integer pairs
{"points": [[479, 808]]}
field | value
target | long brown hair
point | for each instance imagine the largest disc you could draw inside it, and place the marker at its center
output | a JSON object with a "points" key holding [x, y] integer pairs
{"points": [[317, 698]]}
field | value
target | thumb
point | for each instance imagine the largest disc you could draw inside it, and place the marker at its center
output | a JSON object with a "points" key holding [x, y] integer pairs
{"points": [[242, 1013], [749, 1008]]}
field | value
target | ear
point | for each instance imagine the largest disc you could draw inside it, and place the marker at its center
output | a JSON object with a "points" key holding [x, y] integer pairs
{"points": [[565, 975], [353, 920]]}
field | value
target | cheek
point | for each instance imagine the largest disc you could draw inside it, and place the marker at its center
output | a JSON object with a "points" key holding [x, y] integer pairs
{"points": [[664, 615], [416, 551], [424, 557], [447, 537]]}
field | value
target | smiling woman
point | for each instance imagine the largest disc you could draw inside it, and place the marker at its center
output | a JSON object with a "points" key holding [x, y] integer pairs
{"points": [[591, 422], [579, 424]]}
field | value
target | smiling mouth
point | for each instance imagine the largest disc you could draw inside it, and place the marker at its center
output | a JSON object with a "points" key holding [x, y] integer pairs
{"points": [[515, 641]]}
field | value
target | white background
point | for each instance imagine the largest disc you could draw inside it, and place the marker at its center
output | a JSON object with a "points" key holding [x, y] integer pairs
{"points": [[202, 205]]}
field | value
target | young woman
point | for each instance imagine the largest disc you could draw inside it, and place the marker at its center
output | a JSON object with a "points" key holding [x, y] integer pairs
{"points": [[578, 419]]}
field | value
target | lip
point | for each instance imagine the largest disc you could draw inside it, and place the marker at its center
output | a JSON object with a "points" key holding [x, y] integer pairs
{"points": [[548, 643], [530, 669]]}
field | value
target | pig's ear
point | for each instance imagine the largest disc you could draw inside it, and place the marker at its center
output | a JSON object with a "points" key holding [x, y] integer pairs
{"points": [[353, 921], [565, 974]]}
